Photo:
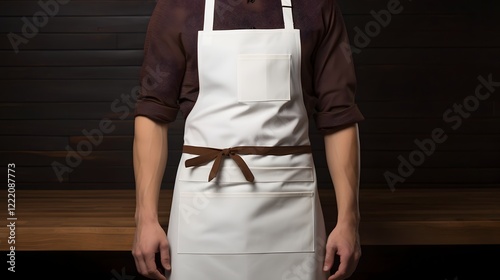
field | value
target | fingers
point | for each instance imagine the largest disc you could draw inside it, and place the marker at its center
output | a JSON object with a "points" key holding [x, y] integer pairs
{"points": [[345, 267], [329, 257], [348, 263], [165, 255], [146, 265], [152, 269], [139, 264]]}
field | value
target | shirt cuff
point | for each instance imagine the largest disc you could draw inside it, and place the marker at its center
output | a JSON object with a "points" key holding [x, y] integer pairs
{"points": [[155, 111], [329, 122]]}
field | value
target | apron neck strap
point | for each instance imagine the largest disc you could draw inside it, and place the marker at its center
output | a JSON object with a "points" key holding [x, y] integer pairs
{"points": [[287, 13], [208, 24]]}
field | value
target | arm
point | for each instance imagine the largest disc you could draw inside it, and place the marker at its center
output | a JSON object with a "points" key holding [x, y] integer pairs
{"points": [[149, 157], [161, 80], [342, 154]]}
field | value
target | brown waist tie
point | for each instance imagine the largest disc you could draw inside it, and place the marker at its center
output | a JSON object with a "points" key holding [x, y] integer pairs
{"points": [[206, 155]]}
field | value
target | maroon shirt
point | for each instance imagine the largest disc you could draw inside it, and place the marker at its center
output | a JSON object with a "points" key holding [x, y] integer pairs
{"points": [[169, 74]]}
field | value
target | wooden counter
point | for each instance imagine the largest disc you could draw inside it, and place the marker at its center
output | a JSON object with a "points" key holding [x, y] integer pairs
{"points": [[103, 220]]}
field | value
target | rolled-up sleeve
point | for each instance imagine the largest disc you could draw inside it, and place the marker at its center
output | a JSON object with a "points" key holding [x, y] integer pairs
{"points": [[163, 66], [334, 76]]}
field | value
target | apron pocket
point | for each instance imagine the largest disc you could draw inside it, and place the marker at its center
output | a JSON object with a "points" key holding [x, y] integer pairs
{"points": [[245, 222], [263, 77]]}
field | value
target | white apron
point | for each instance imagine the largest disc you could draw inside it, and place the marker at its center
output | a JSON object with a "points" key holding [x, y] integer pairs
{"points": [[242, 209]]}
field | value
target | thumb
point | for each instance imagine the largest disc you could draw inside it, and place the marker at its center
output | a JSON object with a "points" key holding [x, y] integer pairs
{"points": [[329, 257], [165, 254]]}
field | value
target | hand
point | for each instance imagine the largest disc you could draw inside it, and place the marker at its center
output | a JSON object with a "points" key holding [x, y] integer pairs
{"points": [[149, 240], [343, 241]]}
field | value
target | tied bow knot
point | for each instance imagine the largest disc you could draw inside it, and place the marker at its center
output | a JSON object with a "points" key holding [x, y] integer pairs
{"points": [[217, 155], [206, 155], [227, 152]]}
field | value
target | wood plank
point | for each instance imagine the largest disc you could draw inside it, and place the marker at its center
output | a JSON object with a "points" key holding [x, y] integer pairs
{"points": [[114, 110], [74, 239], [420, 109], [130, 40], [428, 56], [451, 159], [70, 73], [374, 142], [412, 82], [81, 8], [429, 233], [65, 42], [451, 203], [111, 174], [421, 175], [425, 22], [117, 143], [443, 7], [67, 90], [114, 143], [81, 42], [63, 127], [74, 220], [88, 157], [427, 39], [73, 58], [486, 126], [37, 174], [145, 7], [82, 24], [65, 185], [33, 143], [449, 186]]}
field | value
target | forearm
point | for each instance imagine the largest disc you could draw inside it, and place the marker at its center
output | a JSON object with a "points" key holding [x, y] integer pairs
{"points": [[149, 159], [342, 154]]}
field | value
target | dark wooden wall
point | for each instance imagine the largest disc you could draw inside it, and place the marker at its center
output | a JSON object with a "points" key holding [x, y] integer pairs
{"points": [[76, 72]]}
